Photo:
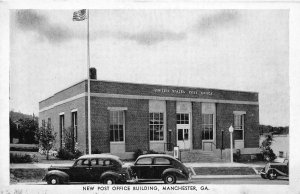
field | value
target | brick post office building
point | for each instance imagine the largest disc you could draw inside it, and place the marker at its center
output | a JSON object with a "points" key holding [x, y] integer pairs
{"points": [[129, 116]]}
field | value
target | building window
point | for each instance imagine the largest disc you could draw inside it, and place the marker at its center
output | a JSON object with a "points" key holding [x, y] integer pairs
{"points": [[207, 127], [61, 128], [239, 126], [74, 125], [156, 126], [183, 118], [116, 126], [49, 123]]}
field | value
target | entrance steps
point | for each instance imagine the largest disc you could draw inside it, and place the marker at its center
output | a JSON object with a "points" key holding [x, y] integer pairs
{"points": [[199, 156]]}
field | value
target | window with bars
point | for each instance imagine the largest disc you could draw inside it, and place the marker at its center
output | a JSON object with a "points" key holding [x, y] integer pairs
{"points": [[183, 118], [207, 127], [156, 124], [239, 126], [74, 124], [116, 125]]}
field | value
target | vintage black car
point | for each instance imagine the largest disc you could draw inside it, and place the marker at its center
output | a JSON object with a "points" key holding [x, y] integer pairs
{"points": [[101, 168], [160, 167], [274, 169]]}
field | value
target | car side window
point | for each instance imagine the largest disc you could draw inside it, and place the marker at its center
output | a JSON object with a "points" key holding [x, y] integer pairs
{"points": [[107, 163], [162, 161], [94, 162], [100, 162], [83, 162], [144, 161]]}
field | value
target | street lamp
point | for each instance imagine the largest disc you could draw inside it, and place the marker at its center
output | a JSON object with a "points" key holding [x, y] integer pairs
{"points": [[231, 143]]}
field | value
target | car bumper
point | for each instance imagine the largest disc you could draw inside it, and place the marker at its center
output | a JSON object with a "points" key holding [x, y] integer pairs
{"points": [[262, 172], [133, 180]]}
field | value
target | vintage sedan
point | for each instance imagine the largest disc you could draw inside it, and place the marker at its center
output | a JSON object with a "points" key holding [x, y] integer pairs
{"points": [[160, 167], [101, 168], [274, 169]]}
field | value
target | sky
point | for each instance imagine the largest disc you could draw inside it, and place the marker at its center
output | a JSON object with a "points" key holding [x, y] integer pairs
{"points": [[245, 50]]}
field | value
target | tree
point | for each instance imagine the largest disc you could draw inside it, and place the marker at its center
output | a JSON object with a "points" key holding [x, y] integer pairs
{"points": [[13, 130], [69, 139], [46, 138], [266, 149], [27, 130]]}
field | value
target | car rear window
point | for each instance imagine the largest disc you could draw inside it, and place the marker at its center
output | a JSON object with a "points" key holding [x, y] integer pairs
{"points": [[143, 161], [161, 161]]}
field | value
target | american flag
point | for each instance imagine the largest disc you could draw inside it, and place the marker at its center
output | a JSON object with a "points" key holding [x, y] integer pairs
{"points": [[79, 15]]}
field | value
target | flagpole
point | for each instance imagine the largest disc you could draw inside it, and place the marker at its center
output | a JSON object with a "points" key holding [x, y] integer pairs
{"points": [[88, 80]]}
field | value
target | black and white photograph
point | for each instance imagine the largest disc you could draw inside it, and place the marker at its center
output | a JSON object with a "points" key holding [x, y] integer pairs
{"points": [[156, 100]]}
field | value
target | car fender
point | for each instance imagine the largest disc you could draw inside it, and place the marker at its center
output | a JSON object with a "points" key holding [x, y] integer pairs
{"points": [[278, 171], [117, 175], [64, 176], [175, 171]]}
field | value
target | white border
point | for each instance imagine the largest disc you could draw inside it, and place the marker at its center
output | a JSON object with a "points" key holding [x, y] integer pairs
{"points": [[294, 7]]}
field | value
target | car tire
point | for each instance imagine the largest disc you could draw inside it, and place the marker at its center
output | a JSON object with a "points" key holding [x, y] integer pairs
{"points": [[263, 176], [109, 181], [272, 175], [169, 179], [53, 180]]}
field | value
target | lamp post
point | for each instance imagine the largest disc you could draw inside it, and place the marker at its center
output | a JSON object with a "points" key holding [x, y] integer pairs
{"points": [[231, 143]]}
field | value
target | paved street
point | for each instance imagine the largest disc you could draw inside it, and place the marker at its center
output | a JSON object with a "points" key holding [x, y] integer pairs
{"points": [[204, 181]]}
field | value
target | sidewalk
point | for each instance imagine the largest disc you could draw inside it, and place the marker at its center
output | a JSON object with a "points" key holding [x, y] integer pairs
{"points": [[232, 170]]}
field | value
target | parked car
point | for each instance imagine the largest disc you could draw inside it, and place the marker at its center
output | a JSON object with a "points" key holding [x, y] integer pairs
{"points": [[160, 167], [272, 170], [102, 168]]}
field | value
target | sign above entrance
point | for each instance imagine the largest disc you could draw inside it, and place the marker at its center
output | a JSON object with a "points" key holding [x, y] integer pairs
{"points": [[181, 91]]}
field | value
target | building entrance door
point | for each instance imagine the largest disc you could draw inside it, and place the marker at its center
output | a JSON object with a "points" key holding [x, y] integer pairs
{"points": [[183, 131]]}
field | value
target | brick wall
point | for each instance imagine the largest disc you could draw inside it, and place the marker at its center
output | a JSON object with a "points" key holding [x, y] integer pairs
{"points": [[225, 119], [64, 94], [170, 91], [53, 113], [136, 123], [196, 122], [171, 121]]}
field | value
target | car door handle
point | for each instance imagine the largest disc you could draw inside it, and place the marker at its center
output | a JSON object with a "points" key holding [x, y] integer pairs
{"points": [[88, 168]]}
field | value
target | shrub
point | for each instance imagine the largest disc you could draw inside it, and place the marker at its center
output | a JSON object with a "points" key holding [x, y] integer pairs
{"points": [[21, 158], [137, 153], [77, 154], [96, 151], [65, 155], [266, 149], [260, 157], [153, 152], [25, 149]]}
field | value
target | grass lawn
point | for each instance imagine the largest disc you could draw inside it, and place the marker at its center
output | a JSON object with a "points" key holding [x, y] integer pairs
{"points": [[224, 171]]}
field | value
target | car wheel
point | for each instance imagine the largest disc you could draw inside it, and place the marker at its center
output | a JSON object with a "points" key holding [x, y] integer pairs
{"points": [[272, 175], [53, 180], [263, 176], [169, 179], [109, 181]]}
